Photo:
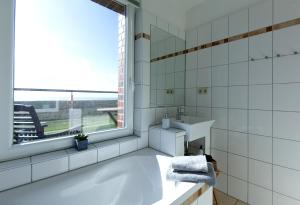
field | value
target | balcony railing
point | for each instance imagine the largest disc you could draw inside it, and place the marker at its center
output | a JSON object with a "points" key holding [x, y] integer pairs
{"points": [[47, 113]]}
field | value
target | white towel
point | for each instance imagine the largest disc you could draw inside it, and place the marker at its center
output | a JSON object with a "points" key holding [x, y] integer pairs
{"points": [[190, 163]]}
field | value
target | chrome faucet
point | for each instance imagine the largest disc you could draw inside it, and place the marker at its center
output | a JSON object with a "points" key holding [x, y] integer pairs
{"points": [[180, 112]]}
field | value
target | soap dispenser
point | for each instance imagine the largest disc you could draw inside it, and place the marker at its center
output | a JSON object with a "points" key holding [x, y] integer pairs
{"points": [[165, 122]]}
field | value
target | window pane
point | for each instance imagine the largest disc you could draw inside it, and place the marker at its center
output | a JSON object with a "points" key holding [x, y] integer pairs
{"points": [[69, 68]]}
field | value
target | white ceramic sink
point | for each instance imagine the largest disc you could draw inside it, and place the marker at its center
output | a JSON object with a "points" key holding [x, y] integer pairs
{"points": [[195, 127]]}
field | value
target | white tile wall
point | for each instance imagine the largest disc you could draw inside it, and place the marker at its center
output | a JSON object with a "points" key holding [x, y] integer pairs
{"points": [[237, 188], [238, 143], [238, 97], [220, 75], [128, 145], [286, 153], [83, 158], [108, 150], [260, 148], [219, 139], [237, 166], [15, 177], [260, 72], [255, 103], [258, 195], [238, 74], [260, 173], [286, 181]]}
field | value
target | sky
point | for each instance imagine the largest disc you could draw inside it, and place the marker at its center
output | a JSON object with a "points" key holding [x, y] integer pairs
{"points": [[65, 44]]}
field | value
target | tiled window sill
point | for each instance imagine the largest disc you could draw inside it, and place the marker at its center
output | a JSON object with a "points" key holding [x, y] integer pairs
{"points": [[27, 170]]}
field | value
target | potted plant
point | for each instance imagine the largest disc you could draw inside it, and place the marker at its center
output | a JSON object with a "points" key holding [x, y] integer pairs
{"points": [[81, 142]]}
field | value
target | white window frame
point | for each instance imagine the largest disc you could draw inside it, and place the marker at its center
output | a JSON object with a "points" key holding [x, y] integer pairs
{"points": [[7, 149]]}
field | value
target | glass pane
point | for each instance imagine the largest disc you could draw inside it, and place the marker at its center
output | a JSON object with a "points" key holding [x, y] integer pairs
{"points": [[69, 69]]}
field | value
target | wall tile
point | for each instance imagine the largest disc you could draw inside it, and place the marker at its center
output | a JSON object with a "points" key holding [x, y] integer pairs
{"points": [[260, 148], [287, 97], [237, 166], [222, 183], [83, 158], [142, 50], [286, 69], [238, 74], [219, 97], [179, 80], [260, 72], [108, 151], [260, 97], [238, 143], [286, 181], [142, 96], [142, 73], [154, 137], [260, 46], [260, 122], [237, 188], [220, 55], [191, 78], [238, 22], [285, 41], [286, 153], [260, 173], [220, 117], [204, 112], [221, 158], [220, 28], [220, 75], [238, 97], [238, 51], [238, 120], [285, 10], [219, 139], [279, 199], [260, 15], [286, 125], [204, 77], [15, 177], [204, 100], [49, 168], [191, 97], [258, 195], [204, 58], [191, 61], [128, 145]]}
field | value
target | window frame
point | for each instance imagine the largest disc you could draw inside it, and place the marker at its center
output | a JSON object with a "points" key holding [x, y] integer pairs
{"points": [[8, 150]]}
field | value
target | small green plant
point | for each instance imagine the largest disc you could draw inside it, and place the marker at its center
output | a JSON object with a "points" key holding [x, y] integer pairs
{"points": [[81, 137]]}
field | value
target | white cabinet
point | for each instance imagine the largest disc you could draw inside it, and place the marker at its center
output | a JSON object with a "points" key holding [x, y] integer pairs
{"points": [[169, 141], [285, 10], [260, 46], [260, 15], [286, 41]]}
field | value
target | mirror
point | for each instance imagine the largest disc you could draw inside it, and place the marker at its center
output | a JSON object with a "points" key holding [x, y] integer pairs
{"points": [[167, 79]]}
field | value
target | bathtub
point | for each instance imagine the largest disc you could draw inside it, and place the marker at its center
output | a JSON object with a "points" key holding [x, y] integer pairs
{"points": [[137, 178]]}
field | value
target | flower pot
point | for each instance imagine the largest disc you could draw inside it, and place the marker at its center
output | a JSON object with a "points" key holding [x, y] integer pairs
{"points": [[81, 145]]}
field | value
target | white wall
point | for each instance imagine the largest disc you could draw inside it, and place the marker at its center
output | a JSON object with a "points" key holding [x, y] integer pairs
{"points": [[256, 104]]}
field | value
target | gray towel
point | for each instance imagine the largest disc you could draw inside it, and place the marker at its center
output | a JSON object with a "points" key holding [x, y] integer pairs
{"points": [[190, 163], [196, 177]]}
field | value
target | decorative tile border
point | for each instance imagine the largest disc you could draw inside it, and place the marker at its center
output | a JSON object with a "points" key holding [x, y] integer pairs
{"points": [[232, 38], [142, 35]]}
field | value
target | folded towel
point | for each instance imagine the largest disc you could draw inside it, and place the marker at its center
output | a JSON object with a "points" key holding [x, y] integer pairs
{"points": [[196, 177], [190, 163]]}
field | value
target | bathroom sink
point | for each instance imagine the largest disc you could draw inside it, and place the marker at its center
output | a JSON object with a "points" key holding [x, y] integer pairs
{"points": [[195, 127]]}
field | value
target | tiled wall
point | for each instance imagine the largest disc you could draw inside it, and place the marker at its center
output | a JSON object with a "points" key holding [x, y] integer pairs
{"points": [[253, 94], [144, 115]]}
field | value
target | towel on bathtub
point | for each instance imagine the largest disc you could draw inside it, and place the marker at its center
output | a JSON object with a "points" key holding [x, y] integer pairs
{"points": [[196, 177], [190, 163]]}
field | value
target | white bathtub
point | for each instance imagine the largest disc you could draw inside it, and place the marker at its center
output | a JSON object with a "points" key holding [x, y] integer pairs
{"points": [[134, 179]]}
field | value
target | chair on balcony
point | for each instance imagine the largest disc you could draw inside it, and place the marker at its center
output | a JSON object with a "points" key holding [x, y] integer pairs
{"points": [[27, 125]]}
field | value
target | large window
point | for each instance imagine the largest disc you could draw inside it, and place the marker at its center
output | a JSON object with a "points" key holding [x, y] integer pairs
{"points": [[69, 69]]}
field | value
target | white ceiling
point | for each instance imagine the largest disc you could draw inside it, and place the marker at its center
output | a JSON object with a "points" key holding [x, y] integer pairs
{"points": [[182, 12]]}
